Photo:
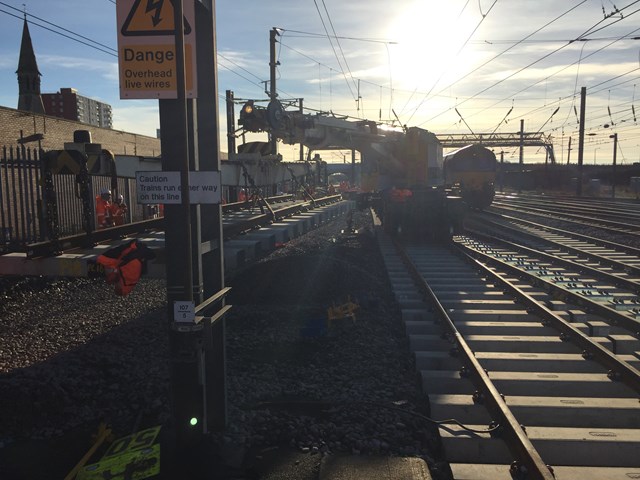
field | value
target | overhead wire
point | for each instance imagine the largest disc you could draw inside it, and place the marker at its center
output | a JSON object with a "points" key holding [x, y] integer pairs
{"points": [[416, 89], [334, 49], [484, 16], [109, 51], [575, 94], [512, 46], [524, 68], [338, 41], [592, 92], [319, 35], [84, 40], [112, 52]]}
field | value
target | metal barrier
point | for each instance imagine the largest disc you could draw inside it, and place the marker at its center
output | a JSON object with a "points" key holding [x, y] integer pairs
{"points": [[22, 217]]}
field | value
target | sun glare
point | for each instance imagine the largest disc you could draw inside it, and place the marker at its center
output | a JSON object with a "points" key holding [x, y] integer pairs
{"points": [[429, 36]]}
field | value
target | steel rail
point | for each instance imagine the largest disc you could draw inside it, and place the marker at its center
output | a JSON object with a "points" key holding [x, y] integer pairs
{"points": [[618, 369], [527, 457], [83, 240], [594, 222], [587, 238], [611, 277], [615, 317], [626, 211], [577, 208], [265, 219]]}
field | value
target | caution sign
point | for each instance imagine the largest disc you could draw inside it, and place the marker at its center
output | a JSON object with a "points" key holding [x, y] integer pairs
{"points": [[147, 52], [165, 187]]}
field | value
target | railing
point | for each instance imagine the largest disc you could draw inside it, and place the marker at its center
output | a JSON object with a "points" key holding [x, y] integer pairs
{"points": [[22, 219]]}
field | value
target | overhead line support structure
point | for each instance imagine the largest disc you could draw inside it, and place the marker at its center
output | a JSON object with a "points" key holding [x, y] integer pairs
{"points": [[513, 140], [273, 94]]}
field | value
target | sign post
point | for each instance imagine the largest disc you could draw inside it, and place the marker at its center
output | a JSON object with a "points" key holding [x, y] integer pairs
{"points": [[165, 49]]}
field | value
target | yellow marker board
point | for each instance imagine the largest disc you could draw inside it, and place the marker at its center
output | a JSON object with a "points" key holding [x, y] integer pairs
{"points": [[134, 457]]}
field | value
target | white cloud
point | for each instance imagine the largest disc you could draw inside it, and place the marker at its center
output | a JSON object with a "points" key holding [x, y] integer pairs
{"points": [[137, 116]]}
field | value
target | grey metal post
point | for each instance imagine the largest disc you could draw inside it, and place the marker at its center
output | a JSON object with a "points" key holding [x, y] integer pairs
{"points": [[615, 152], [583, 106], [501, 171], [231, 126], [272, 82], [521, 180], [352, 180], [186, 392], [301, 144], [211, 260]]}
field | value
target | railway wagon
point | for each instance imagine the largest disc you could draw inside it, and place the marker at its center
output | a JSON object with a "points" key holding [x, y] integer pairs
{"points": [[471, 173]]}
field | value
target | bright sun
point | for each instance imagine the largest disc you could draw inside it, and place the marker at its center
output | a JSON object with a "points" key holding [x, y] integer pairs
{"points": [[429, 36]]}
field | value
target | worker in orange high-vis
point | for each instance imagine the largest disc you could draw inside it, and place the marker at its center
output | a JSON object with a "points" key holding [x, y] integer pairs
{"points": [[242, 195], [123, 265], [118, 210], [103, 209]]}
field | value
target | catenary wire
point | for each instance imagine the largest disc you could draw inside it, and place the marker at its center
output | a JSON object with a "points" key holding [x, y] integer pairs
{"points": [[334, 49], [508, 77]]}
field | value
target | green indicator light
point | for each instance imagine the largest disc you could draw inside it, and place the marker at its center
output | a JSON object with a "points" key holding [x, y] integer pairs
{"points": [[193, 422]]}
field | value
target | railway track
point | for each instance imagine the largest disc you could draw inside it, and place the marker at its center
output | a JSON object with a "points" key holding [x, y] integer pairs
{"points": [[237, 218], [535, 357], [619, 217]]}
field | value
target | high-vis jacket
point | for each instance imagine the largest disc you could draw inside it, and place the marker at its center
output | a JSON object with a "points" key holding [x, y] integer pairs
{"points": [[125, 264], [103, 212]]}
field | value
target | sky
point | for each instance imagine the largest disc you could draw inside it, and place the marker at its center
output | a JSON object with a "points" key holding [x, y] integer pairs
{"points": [[455, 66]]}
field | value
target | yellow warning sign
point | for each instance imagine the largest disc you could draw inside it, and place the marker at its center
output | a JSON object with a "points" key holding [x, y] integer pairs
{"points": [[151, 17], [152, 68], [147, 50]]}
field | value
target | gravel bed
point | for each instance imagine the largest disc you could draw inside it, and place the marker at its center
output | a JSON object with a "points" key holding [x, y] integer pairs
{"points": [[73, 354]]}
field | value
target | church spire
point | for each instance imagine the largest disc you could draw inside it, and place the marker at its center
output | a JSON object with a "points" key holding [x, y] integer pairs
{"points": [[29, 98]]}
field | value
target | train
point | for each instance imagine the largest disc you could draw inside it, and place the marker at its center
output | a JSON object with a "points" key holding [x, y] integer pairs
{"points": [[470, 172], [401, 168]]}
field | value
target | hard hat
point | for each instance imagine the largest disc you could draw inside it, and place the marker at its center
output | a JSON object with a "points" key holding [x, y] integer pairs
{"points": [[105, 192], [120, 198]]}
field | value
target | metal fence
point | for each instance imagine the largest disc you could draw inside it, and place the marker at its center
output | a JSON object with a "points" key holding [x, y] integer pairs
{"points": [[21, 199]]}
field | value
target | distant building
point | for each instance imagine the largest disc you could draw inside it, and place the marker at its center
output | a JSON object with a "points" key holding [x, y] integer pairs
{"points": [[29, 98], [68, 104]]}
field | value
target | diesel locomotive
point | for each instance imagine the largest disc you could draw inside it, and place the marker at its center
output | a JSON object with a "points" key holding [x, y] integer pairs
{"points": [[470, 172]]}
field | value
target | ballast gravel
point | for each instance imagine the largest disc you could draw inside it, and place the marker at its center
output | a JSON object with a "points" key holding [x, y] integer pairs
{"points": [[73, 354]]}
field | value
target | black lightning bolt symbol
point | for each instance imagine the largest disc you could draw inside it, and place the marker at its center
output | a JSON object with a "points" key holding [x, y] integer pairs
{"points": [[157, 6]]}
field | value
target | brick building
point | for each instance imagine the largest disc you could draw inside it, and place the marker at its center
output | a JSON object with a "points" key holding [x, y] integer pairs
{"points": [[54, 132], [38, 127], [67, 103]]}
